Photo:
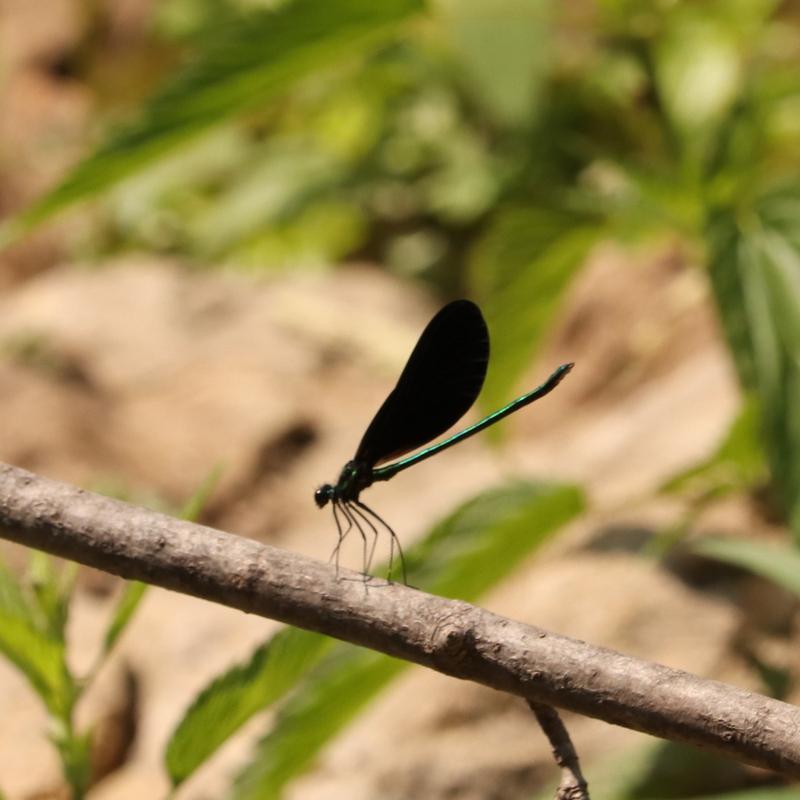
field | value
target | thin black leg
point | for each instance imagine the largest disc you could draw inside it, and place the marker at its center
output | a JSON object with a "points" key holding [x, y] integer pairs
{"points": [[341, 534], [394, 540], [357, 511], [347, 510]]}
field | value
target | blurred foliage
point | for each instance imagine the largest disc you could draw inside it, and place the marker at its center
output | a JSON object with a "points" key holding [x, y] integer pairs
{"points": [[661, 770], [755, 268], [482, 146], [779, 563]]}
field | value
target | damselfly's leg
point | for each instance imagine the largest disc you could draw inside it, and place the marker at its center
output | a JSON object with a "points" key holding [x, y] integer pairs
{"points": [[340, 532], [354, 521], [357, 511], [348, 511], [394, 540]]}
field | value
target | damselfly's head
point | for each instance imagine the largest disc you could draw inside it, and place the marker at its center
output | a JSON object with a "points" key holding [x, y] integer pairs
{"points": [[323, 495]]}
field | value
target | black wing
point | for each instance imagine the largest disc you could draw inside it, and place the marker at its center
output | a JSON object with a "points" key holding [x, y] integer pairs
{"points": [[441, 380]]}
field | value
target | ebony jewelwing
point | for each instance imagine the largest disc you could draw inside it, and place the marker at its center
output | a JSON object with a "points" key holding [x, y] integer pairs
{"points": [[443, 376]]}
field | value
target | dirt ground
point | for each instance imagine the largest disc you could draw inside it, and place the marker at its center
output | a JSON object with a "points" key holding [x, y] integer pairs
{"points": [[141, 376]]}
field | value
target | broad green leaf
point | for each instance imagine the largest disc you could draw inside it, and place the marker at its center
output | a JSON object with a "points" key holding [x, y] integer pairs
{"points": [[330, 699], [736, 465], [245, 65], [32, 648], [463, 556], [777, 563], [519, 271], [755, 272], [236, 695], [505, 48], [135, 590], [474, 548]]}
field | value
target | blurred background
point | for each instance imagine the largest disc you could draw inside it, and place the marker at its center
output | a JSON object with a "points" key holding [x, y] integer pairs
{"points": [[224, 223]]}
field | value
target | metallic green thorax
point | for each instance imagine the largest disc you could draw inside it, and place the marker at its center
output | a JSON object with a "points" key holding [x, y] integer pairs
{"points": [[353, 479]]}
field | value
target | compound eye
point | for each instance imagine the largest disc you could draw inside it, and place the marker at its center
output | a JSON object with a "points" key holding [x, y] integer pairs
{"points": [[322, 495]]}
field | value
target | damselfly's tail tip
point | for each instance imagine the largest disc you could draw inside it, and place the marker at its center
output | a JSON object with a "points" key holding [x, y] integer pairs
{"points": [[559, 374], [564, 369]]}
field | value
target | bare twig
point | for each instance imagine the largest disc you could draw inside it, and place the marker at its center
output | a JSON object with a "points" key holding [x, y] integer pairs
{"points": [[452, 637], [573, 786]]}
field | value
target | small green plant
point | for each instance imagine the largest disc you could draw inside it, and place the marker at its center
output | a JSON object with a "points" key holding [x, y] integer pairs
{"points": [[33, 616]]}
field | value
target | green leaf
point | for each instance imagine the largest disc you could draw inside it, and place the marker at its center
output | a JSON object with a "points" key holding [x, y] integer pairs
{"points": [[725, 245], [755, 272], [127, 604], [475, 547], [194, 506], [504, 46], [236, 695], [736, 465], [777, 563], [463, 556], [520, 271], [75, 751], [331, 698], [244, 66], [33, 649]]}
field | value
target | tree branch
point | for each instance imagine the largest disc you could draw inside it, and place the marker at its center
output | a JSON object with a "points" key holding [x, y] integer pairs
{"points": [[452, 637], [573, 785]]}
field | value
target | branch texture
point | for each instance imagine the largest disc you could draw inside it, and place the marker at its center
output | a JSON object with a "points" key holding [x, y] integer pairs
{"points": [[452, 637]]}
